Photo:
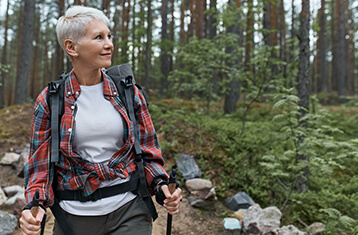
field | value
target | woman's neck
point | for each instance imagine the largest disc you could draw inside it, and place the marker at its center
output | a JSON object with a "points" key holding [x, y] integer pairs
{"points": [[88, 77]]}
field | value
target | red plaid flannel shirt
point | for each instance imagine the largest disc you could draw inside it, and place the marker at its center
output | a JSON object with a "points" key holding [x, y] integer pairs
{"points": [[73, 172]]}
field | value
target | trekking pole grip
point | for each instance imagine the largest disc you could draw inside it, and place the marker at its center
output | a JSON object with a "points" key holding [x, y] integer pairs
{"points": [[172, 183], [35, 203]]}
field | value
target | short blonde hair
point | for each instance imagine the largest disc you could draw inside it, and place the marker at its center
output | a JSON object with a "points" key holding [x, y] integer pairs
{"points": [[73, 24]]}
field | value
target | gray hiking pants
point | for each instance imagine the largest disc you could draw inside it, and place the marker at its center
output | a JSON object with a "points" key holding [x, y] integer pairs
{"points": [[131, 219]]}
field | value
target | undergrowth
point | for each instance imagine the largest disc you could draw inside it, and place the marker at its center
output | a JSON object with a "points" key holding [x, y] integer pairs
{"points": [[263, 161]]}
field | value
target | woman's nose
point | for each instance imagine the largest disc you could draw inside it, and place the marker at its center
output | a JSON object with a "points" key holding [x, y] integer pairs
{"points": [[108, 43]]}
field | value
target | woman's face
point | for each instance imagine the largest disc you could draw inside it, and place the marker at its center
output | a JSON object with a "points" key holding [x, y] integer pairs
{"points": [[95, 48]]}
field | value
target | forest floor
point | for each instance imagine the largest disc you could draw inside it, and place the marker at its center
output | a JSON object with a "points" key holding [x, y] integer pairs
{"points": [[15, 124]]}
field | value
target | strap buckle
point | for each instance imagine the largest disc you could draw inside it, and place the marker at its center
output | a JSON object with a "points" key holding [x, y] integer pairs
{"points": [[93, 197], [53, 87], [128, 81]]}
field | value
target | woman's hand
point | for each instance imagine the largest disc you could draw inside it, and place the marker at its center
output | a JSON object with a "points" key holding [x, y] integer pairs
{"points": [[172, 201], [29, 224]]}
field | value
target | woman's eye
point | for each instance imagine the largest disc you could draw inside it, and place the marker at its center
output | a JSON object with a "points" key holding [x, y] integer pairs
{"points": [[99, 37], [109, 37]]}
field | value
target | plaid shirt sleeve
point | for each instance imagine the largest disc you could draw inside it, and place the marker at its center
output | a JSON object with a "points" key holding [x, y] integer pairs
{"points": [[37, 169], [152, 156]]}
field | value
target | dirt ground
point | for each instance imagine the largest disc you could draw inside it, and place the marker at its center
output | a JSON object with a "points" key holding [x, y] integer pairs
{"points": [[15, 125]]}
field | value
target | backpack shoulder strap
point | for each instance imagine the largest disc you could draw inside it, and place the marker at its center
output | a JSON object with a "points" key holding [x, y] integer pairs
{"points": [[55, 101], [122, 76]]}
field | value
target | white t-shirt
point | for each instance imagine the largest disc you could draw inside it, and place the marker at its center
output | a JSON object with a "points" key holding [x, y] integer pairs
{"points": [[98, 135]]}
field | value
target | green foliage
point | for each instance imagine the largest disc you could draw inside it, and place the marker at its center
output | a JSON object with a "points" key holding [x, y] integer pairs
{"points": [[263, 161], [336, 221]]}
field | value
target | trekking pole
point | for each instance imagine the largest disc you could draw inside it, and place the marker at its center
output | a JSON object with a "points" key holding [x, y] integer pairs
{"points": [[171, 187], [35, 203], [35, 208]]}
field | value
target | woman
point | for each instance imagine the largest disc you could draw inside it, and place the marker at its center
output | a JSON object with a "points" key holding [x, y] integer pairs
{"points": [[96, 140]]}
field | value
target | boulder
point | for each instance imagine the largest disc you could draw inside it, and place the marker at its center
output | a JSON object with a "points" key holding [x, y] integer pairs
{"points": [[232, 226], [188, 167], [316, 228], [239, 201], [198, 184], [20, 203], [8, 223], [239, 214], [3, 197], [291, 230], [10, 158], [14, 189], [252, 218], [11, 200], [271, 217], [23, 159], [258, 221], [201, 193]]}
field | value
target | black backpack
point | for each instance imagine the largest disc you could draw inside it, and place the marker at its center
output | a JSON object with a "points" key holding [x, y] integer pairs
{"points": [[123, 78]]}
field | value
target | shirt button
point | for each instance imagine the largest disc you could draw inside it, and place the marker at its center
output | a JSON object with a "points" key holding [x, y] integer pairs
{"points": [[69, 129], [115, 93], [68, 93], [77, 93], [72, 107]]}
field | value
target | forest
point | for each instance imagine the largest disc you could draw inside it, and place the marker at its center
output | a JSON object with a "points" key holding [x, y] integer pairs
{"points": [[268, 89]]}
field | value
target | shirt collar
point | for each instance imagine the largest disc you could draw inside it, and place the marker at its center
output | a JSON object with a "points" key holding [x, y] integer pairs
{"points": [[72, 87]]}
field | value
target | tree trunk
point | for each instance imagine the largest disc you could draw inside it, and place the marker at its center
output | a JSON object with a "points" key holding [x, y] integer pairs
{"points": [[34, 81], [182, 16], [304, 87], [134, 37], [212, 22], [164, 46], [191, 27], [212, 28], [267, 23], [125, 30], [233, 87], [199, 22], [106, 7], [22, 82], [171, 36], [283, 43], [341, 50], [322, 51], [334, 25], [116, 34], [59, 68], [148, 46], [4, 59], [249, 44]]}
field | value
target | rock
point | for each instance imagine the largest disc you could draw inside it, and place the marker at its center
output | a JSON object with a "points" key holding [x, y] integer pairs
{"points": [[3, 197], [315, 228], [11, 201], [23, 159], [239, 214], [8, 223], [14, 189], [20, 203], [239, 201], [291, 230], [271, 217], [10, 158], [251, 219], [201, 203], [232, 226], [198, 184], [188, 167], [201, 193]]}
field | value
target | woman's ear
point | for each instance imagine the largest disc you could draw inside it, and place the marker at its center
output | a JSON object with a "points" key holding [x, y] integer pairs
{"points": [[70, 48]]}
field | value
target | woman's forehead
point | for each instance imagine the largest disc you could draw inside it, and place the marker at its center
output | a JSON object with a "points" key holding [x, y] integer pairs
{"points": [[97, 26]]}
